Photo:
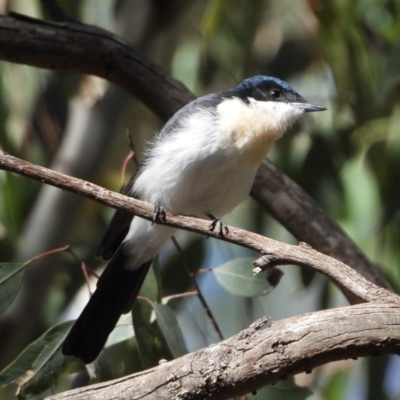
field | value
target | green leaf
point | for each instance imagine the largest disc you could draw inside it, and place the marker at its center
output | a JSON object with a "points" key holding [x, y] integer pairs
{"points": [[144, 333], [151, 284], [391, 73], [40, 364], [334, 384], [122, 331], [170, 329], [236, 277], [362, 201], [10, 281], [283, 390]]}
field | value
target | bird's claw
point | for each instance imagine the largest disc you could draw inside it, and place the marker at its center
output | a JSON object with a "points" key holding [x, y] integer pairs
{"points": [[222, 228], [159, 215]]}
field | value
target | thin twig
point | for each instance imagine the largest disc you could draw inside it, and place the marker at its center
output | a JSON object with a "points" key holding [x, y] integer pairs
{"points": [[196, 285], [192, 293], [132, 147], [68, 249], [50, 252]]}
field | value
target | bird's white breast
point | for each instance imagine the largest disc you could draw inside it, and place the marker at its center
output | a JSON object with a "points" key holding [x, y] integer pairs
{"points": [[207, 164], [253, 127]]}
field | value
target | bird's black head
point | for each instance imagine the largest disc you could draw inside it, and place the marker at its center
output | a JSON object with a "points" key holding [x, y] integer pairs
{"points": [[267, 88]]}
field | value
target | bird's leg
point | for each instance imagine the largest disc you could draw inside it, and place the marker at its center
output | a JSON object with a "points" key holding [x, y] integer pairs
{"points": [[159, 214], [223, 228]]}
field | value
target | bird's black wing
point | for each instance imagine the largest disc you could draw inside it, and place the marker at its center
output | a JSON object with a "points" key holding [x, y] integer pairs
{"points": [[116, 291]]}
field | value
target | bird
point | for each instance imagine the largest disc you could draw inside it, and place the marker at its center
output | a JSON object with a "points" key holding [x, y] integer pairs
{"points": [[202, 163]]}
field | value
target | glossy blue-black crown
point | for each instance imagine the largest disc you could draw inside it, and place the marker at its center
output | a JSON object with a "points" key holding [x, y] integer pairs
{"points": [[266, 88]]}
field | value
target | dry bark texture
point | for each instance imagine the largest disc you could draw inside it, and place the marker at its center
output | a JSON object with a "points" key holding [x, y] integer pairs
{"points": [[257, 357]]}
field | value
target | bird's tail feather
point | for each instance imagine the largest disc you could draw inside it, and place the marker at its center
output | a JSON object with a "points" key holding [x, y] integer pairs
{"points": [[116, 290]]}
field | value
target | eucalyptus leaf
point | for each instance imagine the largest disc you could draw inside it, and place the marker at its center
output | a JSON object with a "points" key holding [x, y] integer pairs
{"points": [[237, 278], [170, 329], [150, 288], [283, 390], [10, 281], [122, 331], [390, 77], [40, 364], [145, 335]]}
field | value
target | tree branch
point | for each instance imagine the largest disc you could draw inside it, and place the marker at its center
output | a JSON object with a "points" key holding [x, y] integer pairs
{"points": [[87, 49], [258, 357], [277, 253]]}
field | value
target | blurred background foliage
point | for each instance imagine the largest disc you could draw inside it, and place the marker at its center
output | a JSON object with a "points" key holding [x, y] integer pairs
{"points": [[339, 53]]}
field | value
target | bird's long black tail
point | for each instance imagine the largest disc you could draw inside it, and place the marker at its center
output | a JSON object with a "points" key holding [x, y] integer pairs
{"points": [[116, 290]]}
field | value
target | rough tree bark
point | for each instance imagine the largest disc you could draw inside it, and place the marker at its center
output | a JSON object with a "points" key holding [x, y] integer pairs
{"points": [[258, 357]]}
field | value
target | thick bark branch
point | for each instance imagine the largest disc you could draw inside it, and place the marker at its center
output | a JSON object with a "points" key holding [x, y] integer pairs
{"points": [[258, 357], [80, 48], [86, 49], [275, 253]]}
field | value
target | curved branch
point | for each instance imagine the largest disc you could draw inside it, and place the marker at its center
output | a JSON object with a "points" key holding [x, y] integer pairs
{"points": [[258, 357], [278, 253], [87, 49]]}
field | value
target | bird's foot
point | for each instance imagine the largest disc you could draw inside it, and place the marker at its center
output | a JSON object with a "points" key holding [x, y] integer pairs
{"points": [[159, 215], [222, 228]]}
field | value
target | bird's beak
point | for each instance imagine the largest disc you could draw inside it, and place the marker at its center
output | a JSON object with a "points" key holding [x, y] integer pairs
{"points": [[308, 107]]}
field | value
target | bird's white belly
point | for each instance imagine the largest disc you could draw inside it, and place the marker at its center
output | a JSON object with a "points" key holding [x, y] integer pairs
{"points": [[215, 190], [214, 185], [211, 185]]}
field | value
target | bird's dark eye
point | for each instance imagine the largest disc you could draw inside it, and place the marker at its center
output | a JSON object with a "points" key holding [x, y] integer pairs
{"points": [[275, 93]]}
